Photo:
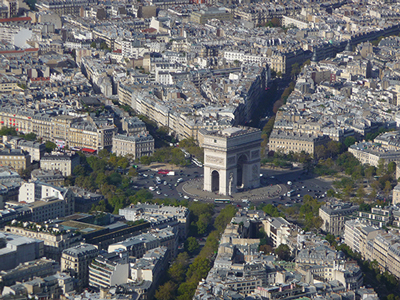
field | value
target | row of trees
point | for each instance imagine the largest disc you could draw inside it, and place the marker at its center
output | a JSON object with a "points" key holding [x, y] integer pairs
{"points": [[182, 278], [166, 155]]}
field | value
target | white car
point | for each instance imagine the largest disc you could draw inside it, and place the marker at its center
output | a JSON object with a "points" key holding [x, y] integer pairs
{"points": [[186, 197], [158, 193]]}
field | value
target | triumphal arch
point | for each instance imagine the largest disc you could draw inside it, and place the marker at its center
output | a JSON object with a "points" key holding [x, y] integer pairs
{"points": [[231, 159]]}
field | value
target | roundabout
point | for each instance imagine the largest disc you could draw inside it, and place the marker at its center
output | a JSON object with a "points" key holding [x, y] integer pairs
{"points": [[194, 189]]}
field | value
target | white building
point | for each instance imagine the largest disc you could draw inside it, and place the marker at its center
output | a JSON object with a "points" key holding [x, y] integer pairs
{"points": [[109, 269], [150, 212], [278, 230], [31, 192], [64, 163], [151, 266]]}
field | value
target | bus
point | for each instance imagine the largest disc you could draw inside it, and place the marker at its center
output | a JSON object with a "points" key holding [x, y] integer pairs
{"points": [[222, 201], [289, 194], [197, 162]]}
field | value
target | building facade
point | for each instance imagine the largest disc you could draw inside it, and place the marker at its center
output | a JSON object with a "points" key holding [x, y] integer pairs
{"points": [[334, 216], [63, 163], [15, 158], [136, 145], [76, 261]]}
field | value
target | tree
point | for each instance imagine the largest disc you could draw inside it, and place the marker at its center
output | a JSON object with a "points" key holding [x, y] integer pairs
{"points": [[202, 223], [271, 210], [123, 163], [79, 170], [166, 291], [320, 151], [349, 141], [191, 244], [295, 70], [93, 45], [132, 172], [101, 179], [266, 248], [391, 168], [381, 167], [30, 136], [365, 207], [103, 153], [114, 179], [283, 252], [275, 22], [178, 268], [330, 193], [388, 188], [330, 238], [146, 160], [370, 172], [360, 192], [49, 146]]}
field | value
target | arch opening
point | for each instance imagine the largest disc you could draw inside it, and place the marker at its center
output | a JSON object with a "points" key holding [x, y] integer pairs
{"points": [[214, 181], [240, 171]]}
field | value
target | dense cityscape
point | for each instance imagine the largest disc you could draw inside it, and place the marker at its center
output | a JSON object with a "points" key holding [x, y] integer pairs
{"points": [[199, 149]]}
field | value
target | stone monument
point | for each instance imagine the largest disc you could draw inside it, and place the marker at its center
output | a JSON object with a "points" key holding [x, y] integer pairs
{"points": [[231, 159]]}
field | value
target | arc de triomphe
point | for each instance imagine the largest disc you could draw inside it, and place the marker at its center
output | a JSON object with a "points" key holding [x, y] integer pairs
{"points": [[231, 159]]}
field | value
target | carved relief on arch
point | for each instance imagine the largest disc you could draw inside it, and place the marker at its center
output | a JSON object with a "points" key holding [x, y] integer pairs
{"points": [[231, 160], [255, 154], [214, 160]]}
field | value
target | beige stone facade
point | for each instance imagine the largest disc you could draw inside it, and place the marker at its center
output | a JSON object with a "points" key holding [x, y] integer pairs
{"points": [[334, 215], [396, 194], [63, 130], [15, 158], [231, 159], [54, 243], [63, 163], [202, 16], [136, 145], [286, 142], [76, 260]]}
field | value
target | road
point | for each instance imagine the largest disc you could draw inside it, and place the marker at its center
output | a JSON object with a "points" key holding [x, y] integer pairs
{"points": [[302, 184], [147, 178]]}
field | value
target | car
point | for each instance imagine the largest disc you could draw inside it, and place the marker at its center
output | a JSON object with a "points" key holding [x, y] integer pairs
{"points": [[165, 183], [303, 187], [298, 195], [186, 197], [272, 177], [158, 193], [165, 195], [195, 200], [175, 184], [145, 175]]}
